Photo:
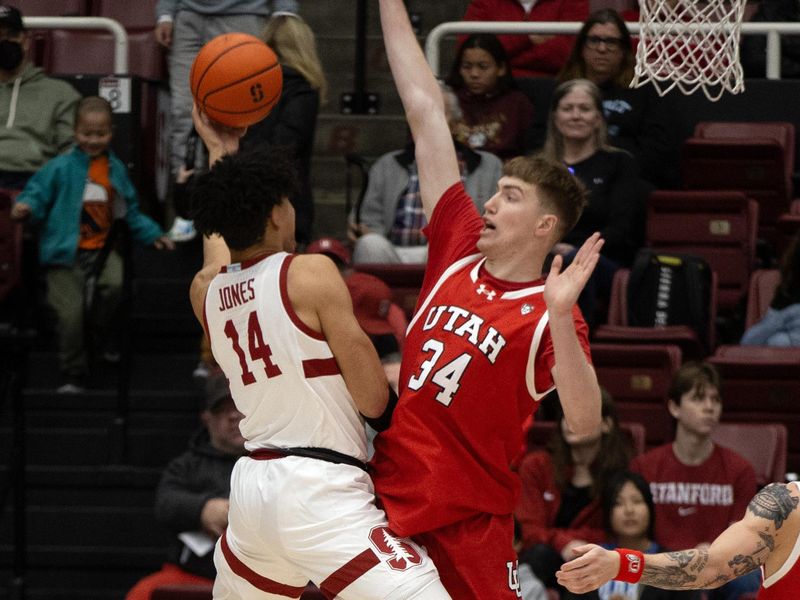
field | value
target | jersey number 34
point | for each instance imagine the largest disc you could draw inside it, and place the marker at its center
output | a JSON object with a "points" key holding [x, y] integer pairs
{"points": [[447, 377]]}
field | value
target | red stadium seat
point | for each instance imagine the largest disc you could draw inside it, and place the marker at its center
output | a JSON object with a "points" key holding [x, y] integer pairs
{"points": [[617, 331], [757, 158], [763, 284], [91, 52], [405, 282], [52, 8], [133, 15], [720, 227], [763, 444], [638, 378], [762, 385]]}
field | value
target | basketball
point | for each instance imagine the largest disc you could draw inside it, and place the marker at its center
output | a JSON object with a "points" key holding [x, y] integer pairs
{"points": [[236, 79]]}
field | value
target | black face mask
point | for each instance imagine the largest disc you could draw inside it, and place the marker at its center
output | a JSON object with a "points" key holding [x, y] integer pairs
{"points": [[10, 55]]}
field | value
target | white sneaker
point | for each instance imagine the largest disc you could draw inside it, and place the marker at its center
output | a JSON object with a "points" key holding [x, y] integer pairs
{"points": [[182, 230]]}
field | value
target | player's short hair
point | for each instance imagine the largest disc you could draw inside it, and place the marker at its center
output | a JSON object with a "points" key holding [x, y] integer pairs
{"points": [[93, 104], [693, 376], [236, 196], [558, 190]]}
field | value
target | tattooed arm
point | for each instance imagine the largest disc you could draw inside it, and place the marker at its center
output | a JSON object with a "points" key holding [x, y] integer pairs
{"points": [[767, 531]]}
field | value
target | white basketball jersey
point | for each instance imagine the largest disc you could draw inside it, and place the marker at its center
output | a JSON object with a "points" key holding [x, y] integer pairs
{"points": [[282, 374]]}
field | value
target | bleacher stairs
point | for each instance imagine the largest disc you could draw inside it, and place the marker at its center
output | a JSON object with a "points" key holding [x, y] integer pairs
{"points": [[90, 477]]}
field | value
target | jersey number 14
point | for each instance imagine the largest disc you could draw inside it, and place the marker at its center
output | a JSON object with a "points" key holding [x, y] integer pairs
{"points": [[256, 347]]}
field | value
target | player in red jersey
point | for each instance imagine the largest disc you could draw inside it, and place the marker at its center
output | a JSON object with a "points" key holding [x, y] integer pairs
{"points": [[768, 536], [489, 339]]}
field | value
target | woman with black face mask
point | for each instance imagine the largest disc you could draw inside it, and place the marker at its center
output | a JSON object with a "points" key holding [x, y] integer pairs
{"points": [[36, 112]]}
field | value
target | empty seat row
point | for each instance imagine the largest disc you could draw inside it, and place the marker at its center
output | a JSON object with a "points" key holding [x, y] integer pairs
{"points": [[132, 15]]}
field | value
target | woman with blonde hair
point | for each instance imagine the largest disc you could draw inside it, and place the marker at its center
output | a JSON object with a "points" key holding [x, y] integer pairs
{"points": [[292, 123], [577, 136]]}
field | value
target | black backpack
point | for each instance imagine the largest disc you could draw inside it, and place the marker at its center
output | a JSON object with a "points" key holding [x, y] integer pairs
{"points": [[669, 289]]}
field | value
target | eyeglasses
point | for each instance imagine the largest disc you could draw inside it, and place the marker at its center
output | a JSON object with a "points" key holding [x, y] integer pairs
{"points": [[594, 41]]}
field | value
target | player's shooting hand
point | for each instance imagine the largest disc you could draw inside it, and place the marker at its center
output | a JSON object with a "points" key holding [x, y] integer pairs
{"points": [[214, 516], [593, 567], [562, 288], [219, 139]]}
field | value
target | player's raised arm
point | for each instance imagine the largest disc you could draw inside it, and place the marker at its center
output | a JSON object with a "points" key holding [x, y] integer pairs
{"points": [[219, 141], [576, 381], [423, 104], [763, 536]]}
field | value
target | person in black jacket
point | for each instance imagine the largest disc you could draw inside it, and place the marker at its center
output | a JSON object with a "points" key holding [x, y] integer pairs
{"points": [[292, 123], [576, 136], [639, 121], [192, 496]]}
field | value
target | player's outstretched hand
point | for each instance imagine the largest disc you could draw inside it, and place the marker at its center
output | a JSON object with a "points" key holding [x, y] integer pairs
{"points": [[593, 567], [219, 139], [562, 288]]}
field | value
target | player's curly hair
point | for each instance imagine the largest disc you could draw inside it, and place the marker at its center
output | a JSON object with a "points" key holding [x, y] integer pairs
{"points": [[236, 196]]}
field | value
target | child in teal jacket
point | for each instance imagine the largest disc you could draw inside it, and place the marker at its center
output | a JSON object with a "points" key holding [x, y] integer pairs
{"points": [[76, 197]]}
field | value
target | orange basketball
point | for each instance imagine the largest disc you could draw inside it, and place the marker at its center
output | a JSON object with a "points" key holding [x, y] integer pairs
{"points": [[236, 79]]}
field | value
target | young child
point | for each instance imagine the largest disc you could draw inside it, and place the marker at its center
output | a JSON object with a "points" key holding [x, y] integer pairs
{"points": [[75, 198]]}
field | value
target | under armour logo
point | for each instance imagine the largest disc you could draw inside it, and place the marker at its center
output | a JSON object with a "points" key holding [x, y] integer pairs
{"points": [[526, 308], [482, 289]]}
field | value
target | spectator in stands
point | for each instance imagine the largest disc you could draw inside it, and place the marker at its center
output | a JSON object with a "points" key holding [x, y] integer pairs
{"points": [[333, 249], [37, 111], [628, 519], [495, 114], [183, 27], [699, 488], [639, 121], [560, 504], [534, 55], [293, 121], [372, 306], [192, 496], [387, 226], [780, 326], [754, 47], [77, 197], [576, 136]]}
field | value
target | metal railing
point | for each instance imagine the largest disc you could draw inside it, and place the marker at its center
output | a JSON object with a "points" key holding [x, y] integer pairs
{"points": [[773, 32], [115, 27]]}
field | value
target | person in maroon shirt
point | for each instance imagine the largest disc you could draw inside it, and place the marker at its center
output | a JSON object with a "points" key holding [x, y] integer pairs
{"points": [[495, 114], [532, 55]]}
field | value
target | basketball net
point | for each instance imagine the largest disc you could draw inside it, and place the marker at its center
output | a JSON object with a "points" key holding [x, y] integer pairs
{"points": [[690, 44]]}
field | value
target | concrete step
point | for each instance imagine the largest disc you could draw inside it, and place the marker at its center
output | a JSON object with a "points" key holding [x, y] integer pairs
{"points": [[150, 371]]}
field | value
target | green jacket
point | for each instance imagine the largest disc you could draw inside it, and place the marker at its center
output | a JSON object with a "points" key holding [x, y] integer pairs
{"points": [[55, 196], [37, 114]]}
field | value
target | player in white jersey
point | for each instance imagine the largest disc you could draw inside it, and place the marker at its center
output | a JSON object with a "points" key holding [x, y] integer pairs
{"points": [[302, 506]]}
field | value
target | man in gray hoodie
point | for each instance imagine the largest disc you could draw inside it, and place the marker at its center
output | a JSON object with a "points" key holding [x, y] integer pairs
{"points": [[37, 113]]}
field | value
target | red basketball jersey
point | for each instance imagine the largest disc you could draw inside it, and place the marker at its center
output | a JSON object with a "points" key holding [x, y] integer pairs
{"points": [[476, 361]]}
